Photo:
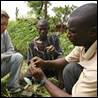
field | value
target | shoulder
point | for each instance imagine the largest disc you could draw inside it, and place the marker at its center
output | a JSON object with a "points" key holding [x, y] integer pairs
{"points": [[33, 41], [36, 38], [5, 32], [77, 50], [5, 35], [80, 48], [53, 36]]}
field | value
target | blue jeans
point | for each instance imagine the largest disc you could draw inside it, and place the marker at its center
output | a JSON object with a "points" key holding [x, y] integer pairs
{"points": [[13, 67], [71, 74]]}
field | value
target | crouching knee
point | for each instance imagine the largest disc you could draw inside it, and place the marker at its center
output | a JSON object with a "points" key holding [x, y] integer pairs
{"points": [[17, 57], [69, 69]]}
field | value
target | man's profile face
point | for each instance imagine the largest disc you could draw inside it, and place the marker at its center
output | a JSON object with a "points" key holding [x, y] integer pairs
{"points": [[4, 23], [77, 33]]}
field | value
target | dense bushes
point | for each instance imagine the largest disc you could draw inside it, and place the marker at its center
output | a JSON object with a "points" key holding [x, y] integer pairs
{"points": [[65, 44], [24, 30]]}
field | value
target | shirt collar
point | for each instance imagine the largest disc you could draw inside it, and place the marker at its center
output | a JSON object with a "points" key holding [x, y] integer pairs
{"points": [[91, 51]]}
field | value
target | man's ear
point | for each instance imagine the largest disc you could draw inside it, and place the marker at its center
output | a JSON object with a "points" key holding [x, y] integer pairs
{"points": [[93, 32]]}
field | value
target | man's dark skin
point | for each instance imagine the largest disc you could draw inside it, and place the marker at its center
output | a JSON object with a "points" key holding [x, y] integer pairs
{"points": [[82, 32], [43, 31]]}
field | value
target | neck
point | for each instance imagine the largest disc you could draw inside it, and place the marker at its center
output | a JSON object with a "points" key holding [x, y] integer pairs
{"points": [[88, 45], [44, 38]]}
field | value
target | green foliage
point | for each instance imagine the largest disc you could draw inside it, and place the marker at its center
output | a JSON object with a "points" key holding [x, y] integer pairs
{"points": [[61, 13], [61, 16], [38, 7], [22, 31], [65, 44]]}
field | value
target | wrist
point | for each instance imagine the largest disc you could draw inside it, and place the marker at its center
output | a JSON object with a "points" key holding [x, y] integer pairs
{"points": [[45, 62], [43, 81]]}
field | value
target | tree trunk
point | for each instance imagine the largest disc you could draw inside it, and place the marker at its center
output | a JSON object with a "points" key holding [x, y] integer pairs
{"points": [[45, 9]]}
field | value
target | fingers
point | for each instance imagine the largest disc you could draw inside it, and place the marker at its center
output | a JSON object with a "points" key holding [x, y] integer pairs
{"points": [[32, 64], [36, 72], [33, 60], [50, 48], [32, 69], [35, 63]]}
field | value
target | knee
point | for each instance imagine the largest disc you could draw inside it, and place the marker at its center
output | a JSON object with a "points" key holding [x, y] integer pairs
{"points": [[68, 68], [17, 57]]}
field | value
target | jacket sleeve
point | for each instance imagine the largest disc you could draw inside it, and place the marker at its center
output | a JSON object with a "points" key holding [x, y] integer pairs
{"points": [[9, 48], [55, 42], [30, 52]]}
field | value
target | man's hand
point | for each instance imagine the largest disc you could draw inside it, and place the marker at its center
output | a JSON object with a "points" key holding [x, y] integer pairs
{"points": [[36, 72], [50, 49], [37, 61]]}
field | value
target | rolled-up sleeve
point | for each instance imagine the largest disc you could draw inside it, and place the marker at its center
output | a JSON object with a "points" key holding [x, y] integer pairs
{"points": [[7, 45], [74, 56]]}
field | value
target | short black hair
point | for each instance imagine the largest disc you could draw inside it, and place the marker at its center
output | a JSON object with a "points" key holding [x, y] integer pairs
{"points": [[43, 22], [87, 14], [4, 13]]}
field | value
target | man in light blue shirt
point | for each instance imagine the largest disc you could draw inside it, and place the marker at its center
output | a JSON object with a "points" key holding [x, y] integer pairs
{"points": [[11, 61]]}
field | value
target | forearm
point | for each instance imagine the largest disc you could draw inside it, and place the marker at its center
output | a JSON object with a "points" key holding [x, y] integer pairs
{"points": [[51, 88], [54, 90], [59, 63], [57, 54]]}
